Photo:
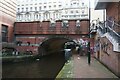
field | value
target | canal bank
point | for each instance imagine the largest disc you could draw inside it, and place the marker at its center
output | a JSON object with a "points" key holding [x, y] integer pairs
{"points": [[77, 67], [17, 58]]}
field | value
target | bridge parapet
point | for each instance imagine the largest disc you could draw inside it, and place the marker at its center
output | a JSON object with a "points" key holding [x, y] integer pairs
{"points": [[46, 28]]}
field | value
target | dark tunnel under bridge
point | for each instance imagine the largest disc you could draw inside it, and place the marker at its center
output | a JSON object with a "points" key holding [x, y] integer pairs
{"points": [[53, 45]]}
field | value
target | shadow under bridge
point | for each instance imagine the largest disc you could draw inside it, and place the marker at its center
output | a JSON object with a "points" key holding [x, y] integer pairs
{"points": [[53, 45]]}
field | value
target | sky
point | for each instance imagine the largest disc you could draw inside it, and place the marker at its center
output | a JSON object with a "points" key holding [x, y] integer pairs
{"points": [[91, 2]]}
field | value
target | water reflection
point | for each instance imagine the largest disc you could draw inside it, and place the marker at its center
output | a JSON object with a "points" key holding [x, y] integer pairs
{"points": [[46, 67]]}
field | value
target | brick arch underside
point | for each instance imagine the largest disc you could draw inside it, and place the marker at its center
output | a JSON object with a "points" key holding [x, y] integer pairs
{"points": [[52, 45]]}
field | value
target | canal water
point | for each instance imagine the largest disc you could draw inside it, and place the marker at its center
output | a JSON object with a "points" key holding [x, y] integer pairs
{"points": [[46, 67]]}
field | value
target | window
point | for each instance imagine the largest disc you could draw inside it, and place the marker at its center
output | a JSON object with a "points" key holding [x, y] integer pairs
{"points": [[65, 24], [60, 5], [52, 24], [37, 16], [35, 8], [77, 11], [78, 23], [4, 33], [82, 11], [30, 8], [74, 3], [82, 4], [54, 5], [22, 9], [44, 6], [49, 6], [74, 15], [26, 9], [66, 16], [71, 11], [39, 8]]}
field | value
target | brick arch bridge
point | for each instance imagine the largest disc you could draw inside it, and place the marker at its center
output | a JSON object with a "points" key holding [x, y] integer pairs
{"points": [[33, 35]]}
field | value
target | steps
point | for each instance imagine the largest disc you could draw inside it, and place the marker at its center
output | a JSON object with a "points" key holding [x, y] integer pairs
{"points": [[111, 35]]}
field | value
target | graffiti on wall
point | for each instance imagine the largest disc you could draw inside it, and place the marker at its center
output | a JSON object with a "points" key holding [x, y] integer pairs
{"points": [[105, 47]]}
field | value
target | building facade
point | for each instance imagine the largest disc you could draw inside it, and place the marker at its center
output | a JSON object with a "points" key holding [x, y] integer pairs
{"points": [[41, 10], [107, 44], [7, 19]]}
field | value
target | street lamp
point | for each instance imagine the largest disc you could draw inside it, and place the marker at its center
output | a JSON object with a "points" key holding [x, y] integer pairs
{"points": [[89, 54]]}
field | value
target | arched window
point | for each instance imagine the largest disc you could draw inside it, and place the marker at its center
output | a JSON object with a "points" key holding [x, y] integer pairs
{"points": [[52, 24], [65, 24], [78, 23]]}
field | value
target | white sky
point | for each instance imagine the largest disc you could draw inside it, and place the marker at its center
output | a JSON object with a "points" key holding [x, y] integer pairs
{"points": [[91, 2]]}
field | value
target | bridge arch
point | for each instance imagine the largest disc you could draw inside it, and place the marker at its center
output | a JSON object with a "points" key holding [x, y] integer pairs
{"points": [[53, 45]]}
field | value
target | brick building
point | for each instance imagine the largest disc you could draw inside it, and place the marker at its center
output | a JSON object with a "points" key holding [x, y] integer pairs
{"points": [[107, 44], [7, 19]]}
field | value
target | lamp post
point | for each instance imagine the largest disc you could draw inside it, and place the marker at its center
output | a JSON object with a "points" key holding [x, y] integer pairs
{"points": [[89, 54]]}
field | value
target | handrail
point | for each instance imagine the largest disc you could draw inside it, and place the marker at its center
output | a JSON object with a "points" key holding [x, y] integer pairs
{"points": [[113, 25], [114, 31], [111, 31], [114, 22]]}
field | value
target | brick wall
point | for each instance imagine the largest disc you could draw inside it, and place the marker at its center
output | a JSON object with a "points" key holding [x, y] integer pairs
{"points": [[84, 26], [44, 27], [113, 10], [109, 57], [9, 22]]}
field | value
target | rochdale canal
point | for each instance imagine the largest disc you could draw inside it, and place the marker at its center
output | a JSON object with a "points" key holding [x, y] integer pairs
{"points": [[46, 67]]}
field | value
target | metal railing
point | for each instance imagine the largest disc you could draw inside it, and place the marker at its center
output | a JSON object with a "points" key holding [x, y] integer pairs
{"points": [[113, 29], [101, 27], [110, 27]]}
